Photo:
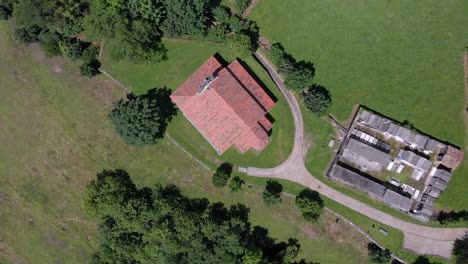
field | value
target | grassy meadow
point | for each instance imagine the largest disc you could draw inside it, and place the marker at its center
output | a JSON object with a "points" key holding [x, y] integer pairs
{"points": [[400, 58], [56, 136]]}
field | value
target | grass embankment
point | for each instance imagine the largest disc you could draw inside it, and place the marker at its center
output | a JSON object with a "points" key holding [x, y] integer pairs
{"points": [[400, 58], [55, 136]]}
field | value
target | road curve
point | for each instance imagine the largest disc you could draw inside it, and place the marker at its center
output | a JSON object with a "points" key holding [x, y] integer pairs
{"points": [[418, 238]]}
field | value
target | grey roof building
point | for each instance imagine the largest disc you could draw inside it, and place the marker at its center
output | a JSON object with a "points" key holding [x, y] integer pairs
{"points": [[433, 192], [443, 174], [397, 200], [432, 144], [426, 199], [375, 121], [425, 209], [351, 178], [364, 155], [414, 160], [438, 183]]}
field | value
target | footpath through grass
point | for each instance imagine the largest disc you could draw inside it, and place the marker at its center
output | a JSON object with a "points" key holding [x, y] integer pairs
{"points": [[55, 136], [400, 58]]}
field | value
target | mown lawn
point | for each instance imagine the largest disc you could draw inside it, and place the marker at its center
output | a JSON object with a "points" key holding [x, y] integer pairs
{"points": [[400, 58], [184, 58], [55, 136]]}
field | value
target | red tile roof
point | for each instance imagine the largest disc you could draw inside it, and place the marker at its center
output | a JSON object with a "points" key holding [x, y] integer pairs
{"points": [[231, 111], [452, 157]]}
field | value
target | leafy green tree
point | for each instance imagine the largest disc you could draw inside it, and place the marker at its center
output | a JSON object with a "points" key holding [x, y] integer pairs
{"points": [[241, 44], [378, 255], [27, 35], [241, 5], [90, 68], [301, 76], [30, 14], [90, 53], [147, 9], [317, 99], [72, 47], [222, 175], [161, 225], [236, 184], [142, 120], [50, 43], [186, 18], [272, 193], [252, 256], [460, 249], [310, 204]]}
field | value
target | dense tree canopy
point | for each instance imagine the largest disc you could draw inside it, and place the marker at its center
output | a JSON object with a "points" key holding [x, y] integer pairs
{"points": [[317, 99], [310, 204], [161, 225], [142, 120]]}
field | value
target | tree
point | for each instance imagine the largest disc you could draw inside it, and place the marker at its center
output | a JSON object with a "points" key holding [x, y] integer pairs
{"points": [[310, 204], [241, 5], [162, 225], [186, 18], [90, 68], [301, 76], [6, 9], [72, 47], [378, 255], [50, 43], [236, 184], [460, 249], [317, 99], [222, 175], [27, 35], [142, 120], [241, 44], [272, 192]]}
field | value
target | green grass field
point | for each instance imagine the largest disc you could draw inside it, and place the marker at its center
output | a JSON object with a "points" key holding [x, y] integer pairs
{"points": [[185, 58], [400, 58], [55, 136]]}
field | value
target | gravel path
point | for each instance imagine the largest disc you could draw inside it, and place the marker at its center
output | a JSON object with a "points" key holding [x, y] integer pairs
{"points": [[418, 238]]}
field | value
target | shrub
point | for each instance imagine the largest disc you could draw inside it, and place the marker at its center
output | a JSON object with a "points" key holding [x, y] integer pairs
{"points": [[317, 99], [272, 193], [222, 175], [236, 184], [26, 35], [90, 53], [310, 204], [72, 47], [90, 68], [50, 43], [5, 13], [378, 255], [241, 44]]}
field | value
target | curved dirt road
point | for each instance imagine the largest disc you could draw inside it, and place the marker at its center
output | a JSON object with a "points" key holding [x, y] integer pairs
{"points": [[418, 238]]}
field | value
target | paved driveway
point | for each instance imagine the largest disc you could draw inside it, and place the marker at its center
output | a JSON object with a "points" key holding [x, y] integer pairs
{"points": [[418, 238]]}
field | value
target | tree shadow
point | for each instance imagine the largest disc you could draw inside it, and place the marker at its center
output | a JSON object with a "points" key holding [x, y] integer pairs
{"points": [[165, 107]]}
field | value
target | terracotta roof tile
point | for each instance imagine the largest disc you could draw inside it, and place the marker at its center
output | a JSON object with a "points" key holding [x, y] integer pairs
{"points": [[231, 111]]}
